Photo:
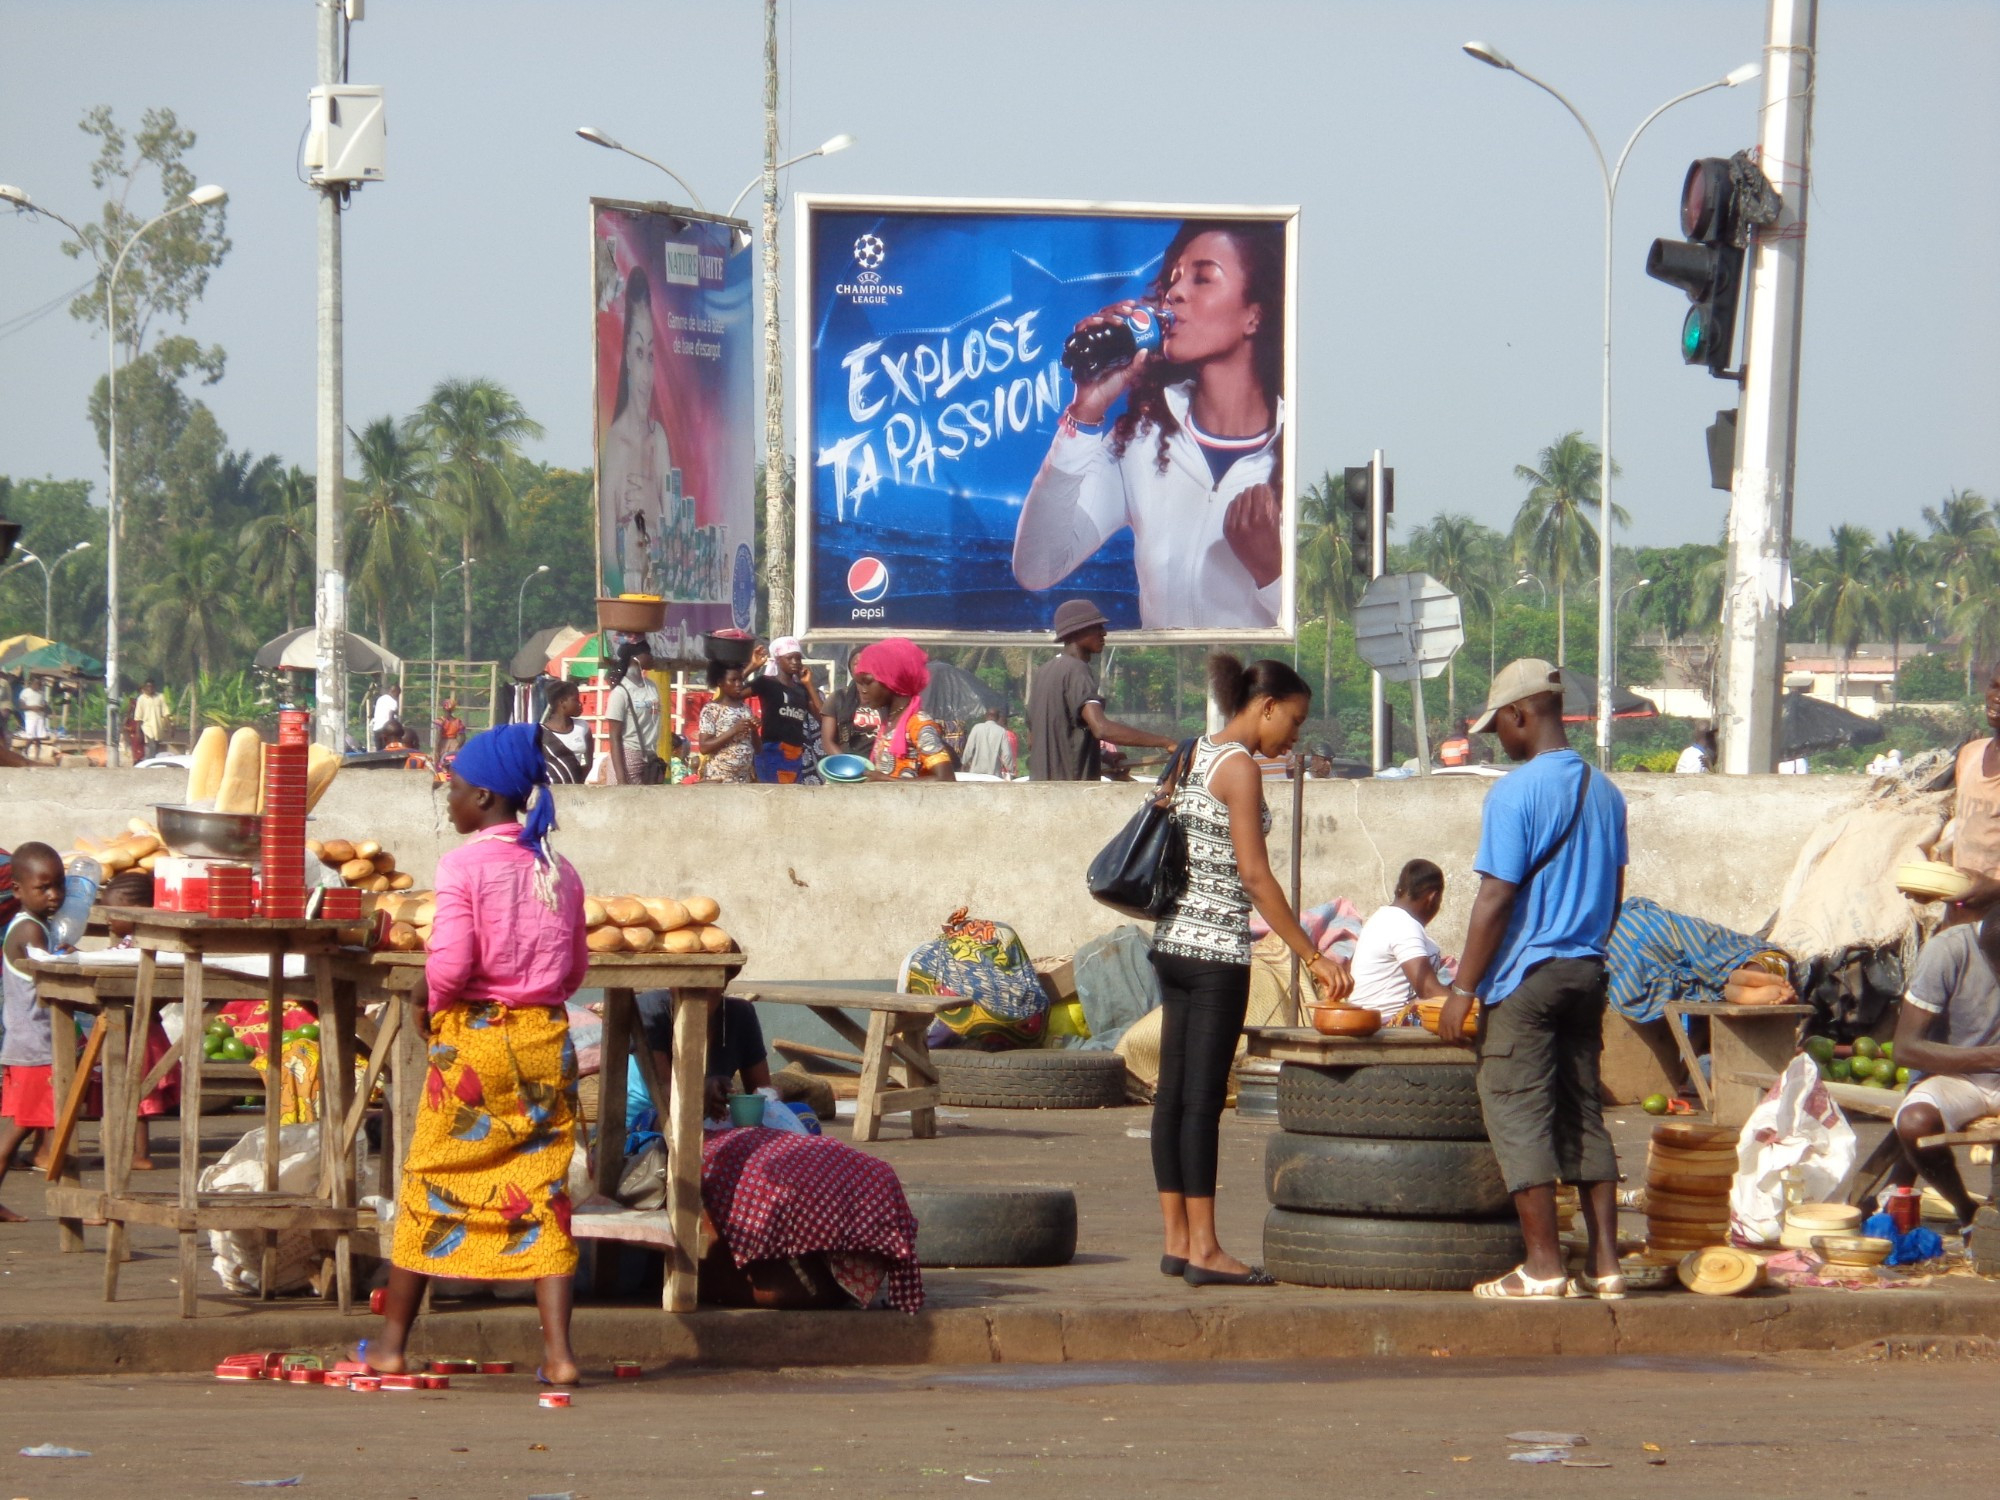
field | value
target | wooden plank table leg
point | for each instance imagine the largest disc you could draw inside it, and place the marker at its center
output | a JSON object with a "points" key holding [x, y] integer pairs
{"points": [[613, 1052], [916, 1040], [63, 1071], [193, 999], [336, 1081], [1704, 1089], [1746, 1043], [874, 1077], [113, 1130], [683, 1135], [408, 1061]]}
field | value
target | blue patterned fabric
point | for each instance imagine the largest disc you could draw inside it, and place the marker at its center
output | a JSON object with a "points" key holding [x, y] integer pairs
{"points": [[1656, 955]]}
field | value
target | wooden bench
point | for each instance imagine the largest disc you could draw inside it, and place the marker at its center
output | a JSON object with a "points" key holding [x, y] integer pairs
{"points": [[896, 1070], [1743, 1041]]}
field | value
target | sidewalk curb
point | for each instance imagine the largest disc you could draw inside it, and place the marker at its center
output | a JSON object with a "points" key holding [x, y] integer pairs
{"points": [[1342, 1326]]}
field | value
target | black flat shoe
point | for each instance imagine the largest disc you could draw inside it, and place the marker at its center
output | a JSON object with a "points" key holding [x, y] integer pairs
{"points": [[1255, 1276], [1172, 1265]]}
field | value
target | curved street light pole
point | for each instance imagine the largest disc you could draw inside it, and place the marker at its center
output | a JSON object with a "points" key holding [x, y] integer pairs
{"points": [[521, 598], [597, 137], [1610, 175], [826, 148], [48, 585]]}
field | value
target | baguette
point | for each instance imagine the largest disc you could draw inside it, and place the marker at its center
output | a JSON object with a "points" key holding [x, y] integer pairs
{"points": [[357, 870], [626, 911], [336, 852], [702, 910], [668, 916], [715, 940], [322, 765], [205, 766], [401, 881], [367, 849], [385, 862], [639, 939], [404, 938], [681, 940], [605, 940], [593, 912], [242, 773]]}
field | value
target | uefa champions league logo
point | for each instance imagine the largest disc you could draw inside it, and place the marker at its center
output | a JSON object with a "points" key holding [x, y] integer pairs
{"points": [[870, 252], [868, 288]]}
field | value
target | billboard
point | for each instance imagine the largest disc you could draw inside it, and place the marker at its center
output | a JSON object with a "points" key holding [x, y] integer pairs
{"points": [[672, 320], [1008, 404]]}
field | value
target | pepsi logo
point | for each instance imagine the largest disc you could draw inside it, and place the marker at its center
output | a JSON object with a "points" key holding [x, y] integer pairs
{"points": [[868, 579]]}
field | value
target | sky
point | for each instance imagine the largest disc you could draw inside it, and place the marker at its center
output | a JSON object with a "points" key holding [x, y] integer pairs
{"points": [[1451, 214]]}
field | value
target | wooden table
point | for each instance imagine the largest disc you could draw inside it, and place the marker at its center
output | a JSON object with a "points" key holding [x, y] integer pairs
{"points": [[186, 1210], [1743, 1040], [896, 1069], [695, 979], [1393, 1044]]}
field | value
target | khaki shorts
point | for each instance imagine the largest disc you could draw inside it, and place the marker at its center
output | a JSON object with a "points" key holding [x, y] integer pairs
{"points": [[1958, 1101], [1538, 1077]]}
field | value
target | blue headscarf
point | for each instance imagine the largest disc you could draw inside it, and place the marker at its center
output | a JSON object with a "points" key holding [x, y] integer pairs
{"points": [[508, 762]]}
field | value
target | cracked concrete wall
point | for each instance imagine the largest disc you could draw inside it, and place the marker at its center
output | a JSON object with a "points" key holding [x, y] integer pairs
{"points": [[840, 882]]}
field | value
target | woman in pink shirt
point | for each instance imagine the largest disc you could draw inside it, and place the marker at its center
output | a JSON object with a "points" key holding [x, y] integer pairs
{"points": [[484, 1192]]}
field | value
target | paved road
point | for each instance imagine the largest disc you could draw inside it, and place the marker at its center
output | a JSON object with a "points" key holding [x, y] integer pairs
{"points": [[1797, 1426]]}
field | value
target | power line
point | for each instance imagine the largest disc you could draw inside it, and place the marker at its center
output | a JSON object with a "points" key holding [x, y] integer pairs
{"points": [[20, 321]]}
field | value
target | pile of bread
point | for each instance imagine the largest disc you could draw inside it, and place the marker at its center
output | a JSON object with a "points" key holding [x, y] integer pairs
{"points": [[366, 866], [617, 924], [226, 771], [138, 848]]}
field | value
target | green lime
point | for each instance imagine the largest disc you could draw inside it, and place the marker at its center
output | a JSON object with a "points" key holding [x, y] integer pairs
{"points": [[1879, 1082], [1889, 1049], [1654, 1104], [1902, 1078], [1842, 1070], [1825, 1069], [1867, 1046], [310, 1031], [1885, 1069], [220, 1027], [1820, 1048], [234, 1050]]}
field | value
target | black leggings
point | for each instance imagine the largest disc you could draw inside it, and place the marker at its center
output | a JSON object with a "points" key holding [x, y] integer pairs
{"points": [[1203, 1005]]}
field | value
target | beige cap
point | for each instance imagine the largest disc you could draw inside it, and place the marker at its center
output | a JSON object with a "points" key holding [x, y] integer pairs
{"points": [[1527, 678]]}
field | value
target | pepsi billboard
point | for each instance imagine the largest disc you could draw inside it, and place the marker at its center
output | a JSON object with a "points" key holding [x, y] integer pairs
{"points": [[1005, 405]]}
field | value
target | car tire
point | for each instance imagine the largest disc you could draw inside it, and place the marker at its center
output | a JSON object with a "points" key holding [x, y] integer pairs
{"points": [[1023, 1226], [1383, 1101], [1404, 1255], [1333, 1174], [1039, 1079]]}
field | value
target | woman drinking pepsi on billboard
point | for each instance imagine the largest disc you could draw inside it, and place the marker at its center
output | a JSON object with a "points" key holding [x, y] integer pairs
{"points": [[1192, 463]]}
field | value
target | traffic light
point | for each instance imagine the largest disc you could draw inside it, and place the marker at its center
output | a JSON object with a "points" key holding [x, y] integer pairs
{"points": [[1708, 265], [1360, 540]]}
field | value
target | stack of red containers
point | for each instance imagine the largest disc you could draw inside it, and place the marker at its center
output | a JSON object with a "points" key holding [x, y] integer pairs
{"points": [[228, 890], [284, 830]]}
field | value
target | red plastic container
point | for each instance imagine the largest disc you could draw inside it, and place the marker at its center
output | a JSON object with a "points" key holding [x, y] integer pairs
{"points": [[294, 727], [1905, 1208]]}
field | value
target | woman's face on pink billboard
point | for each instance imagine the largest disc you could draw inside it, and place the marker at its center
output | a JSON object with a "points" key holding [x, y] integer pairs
{"points": [[639, 353]]}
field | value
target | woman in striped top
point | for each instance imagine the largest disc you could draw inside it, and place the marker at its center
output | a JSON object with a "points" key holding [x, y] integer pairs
{"points": [[1201, 951]]}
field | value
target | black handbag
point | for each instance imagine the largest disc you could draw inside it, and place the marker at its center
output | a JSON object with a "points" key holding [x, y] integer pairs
{"points": [[1144, 870]]}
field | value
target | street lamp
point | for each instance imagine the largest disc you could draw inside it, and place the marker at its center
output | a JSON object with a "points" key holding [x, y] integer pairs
{"points": [[205, 196], [48, 584], [1610, 174], [1625, 594], [1527, 577], [436, 589], [826, 148], [520, 598], [597, 137]]}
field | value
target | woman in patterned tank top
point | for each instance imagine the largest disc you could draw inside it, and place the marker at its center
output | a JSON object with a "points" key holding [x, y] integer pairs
{"points": [[1201, 951]]}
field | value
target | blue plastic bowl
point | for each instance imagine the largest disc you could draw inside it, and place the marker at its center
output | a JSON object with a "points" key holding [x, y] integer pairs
{"points": [[843, 768]]}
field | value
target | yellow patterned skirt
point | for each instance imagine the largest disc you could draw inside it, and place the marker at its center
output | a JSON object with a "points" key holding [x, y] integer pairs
{"points": [[485, 1185]]}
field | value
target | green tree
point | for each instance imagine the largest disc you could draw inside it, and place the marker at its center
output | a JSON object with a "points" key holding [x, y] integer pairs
{"points": [[473, 430], [1840, 599], [194, 606], [387, 556], [1553, 531], [55, 515], [1331, 578], [1464, 556], [1904, 580], [278, 545], [1962, 538]]}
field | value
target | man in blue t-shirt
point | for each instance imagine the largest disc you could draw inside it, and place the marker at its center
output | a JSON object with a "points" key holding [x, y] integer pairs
{"points": [[1552, 875]]}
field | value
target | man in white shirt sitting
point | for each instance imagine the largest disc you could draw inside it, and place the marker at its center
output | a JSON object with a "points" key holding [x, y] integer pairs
{"points": [[1395, 958]]}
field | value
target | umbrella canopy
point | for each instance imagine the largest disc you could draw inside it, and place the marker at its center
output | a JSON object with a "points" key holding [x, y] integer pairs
{"points": [[1580, 701], [56, 657], [1806, 724], [533, 658], [293, 652], [17, 646], [579, 658]]}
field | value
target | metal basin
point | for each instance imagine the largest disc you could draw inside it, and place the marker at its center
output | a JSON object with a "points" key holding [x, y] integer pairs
{"points": [[203, 833], [843, 769]]}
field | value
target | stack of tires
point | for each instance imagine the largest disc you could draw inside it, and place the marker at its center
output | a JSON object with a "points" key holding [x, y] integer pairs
{"points": [[1381, 1177]]}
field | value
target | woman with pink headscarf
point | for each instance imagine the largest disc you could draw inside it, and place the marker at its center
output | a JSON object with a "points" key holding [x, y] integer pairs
{"points": [[890, 677]]}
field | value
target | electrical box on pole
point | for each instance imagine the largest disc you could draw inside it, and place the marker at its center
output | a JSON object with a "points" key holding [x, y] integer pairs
{"points": [[348, 137]]}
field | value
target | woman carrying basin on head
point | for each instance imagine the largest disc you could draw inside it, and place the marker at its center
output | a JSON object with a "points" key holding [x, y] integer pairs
{"points": [[1193, 463]]}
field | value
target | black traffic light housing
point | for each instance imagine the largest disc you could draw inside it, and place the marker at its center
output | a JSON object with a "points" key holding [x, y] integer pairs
{"points": [[1708, 265], [1360, 542]]}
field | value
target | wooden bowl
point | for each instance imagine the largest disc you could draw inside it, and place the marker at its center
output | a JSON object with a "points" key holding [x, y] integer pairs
{"points": [[1430, 1012], [1852, 1249], [1346, 1020]]}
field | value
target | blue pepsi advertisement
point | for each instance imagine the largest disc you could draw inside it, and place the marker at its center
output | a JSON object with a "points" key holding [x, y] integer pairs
{"points": [[1005, 405]]}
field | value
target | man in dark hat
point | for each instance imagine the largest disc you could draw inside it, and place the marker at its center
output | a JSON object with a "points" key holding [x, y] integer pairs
{"points": [[1066, 710]]}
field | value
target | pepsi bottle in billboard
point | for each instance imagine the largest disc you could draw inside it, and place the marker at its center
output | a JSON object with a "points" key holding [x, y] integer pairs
{"points": [[1092, 351]]}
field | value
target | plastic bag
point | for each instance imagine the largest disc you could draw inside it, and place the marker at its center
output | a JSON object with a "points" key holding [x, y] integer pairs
{"points": [[1797, 1126], [239, 1254]]}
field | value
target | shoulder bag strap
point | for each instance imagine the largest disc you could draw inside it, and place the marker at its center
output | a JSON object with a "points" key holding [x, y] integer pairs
{"points": [[1576, 815]]}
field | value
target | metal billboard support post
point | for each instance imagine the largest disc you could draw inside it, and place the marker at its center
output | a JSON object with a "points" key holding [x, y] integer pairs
{"points": [[1381, 749], [330, 596]]}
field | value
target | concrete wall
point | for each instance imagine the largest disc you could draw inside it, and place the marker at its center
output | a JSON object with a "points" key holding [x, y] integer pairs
{"points": [[839, 882]]}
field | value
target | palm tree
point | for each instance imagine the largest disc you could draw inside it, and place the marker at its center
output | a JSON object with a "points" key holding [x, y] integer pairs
{"points": [[1962, 538], [1553, 530], [193, 605], [1840, 598], [386, 556], [1330, 576], [1904, 578], [472, 431], [1462, 555], [278, 545]]}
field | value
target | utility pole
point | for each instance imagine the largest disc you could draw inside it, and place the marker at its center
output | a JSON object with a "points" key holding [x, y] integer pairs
{"points": [[777, 512], [330, 592], [1383, 750], [1760, 511]]}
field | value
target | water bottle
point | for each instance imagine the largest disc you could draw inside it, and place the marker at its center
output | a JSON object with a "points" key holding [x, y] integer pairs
{"points": [[1092, 351], [81, 879]]}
